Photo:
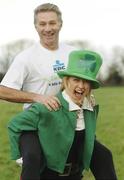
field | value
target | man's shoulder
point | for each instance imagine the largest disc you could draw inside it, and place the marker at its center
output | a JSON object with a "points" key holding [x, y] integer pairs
{"points": [[29, 50], [27, 53], [66, 46]]}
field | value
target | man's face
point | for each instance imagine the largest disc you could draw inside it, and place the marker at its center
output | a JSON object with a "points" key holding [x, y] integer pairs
{"points": [[48, 26], [77, 89]]}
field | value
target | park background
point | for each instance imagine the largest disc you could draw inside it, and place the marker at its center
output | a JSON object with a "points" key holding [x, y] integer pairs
{"points": [[88, 24]]}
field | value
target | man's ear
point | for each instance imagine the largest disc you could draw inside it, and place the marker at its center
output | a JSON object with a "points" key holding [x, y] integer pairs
{"points": [[35, 26], [61, 24]]}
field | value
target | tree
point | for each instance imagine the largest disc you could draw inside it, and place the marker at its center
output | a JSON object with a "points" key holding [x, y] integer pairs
{"points": [[9, 51], [114, 78]]}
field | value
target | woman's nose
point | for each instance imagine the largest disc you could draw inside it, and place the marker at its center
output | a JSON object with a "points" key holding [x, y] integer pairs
{"points": [[81, 84]]}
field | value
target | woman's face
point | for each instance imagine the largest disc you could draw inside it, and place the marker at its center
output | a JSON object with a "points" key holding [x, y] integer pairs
{"points": [[77, 89]]}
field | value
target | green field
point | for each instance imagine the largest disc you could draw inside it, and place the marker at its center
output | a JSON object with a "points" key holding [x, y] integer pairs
{"points": [[110, 131]]}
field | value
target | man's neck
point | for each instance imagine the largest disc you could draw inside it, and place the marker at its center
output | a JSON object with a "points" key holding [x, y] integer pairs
{"points": [[50, 46]]}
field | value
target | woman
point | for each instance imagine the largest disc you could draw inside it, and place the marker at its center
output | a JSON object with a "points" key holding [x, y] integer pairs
{"points": [[67, 136]]}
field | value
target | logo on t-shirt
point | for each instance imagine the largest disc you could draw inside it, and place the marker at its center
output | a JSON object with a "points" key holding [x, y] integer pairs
{"points": [[58, 66]]}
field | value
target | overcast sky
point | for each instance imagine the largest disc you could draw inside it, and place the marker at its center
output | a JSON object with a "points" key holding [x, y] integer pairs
{"points": [[98, 21]]}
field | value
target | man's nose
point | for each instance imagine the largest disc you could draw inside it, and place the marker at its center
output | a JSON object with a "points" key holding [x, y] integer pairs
{"points": [[47, 27]]}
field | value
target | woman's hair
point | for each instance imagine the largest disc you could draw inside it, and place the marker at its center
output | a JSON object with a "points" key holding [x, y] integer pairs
{"points": [[64, 83], [48, 7]]}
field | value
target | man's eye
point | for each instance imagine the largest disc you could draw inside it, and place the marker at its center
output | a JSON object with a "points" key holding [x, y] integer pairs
{"points": [[52, 23]]}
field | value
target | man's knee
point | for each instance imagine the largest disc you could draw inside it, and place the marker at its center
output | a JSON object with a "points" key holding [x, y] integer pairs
{"points": [[102, 152], [108, 153], [31, 158]]}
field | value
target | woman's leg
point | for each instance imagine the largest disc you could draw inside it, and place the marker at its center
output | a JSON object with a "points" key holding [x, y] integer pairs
{"points": [[32, 155], [102, 165]]}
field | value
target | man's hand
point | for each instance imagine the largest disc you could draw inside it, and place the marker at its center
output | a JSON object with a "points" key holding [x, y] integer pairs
{"points": [[51, 102], [91, 99]]}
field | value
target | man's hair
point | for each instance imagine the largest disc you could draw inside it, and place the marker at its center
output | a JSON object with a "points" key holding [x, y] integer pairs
{"points": [[48, 7]]}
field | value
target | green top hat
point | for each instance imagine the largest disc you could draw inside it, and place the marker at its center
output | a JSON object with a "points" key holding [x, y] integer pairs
{"points": [[83, 64]]}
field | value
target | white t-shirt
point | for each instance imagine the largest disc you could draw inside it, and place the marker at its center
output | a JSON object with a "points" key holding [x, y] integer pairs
{"points": [[35, 69]]}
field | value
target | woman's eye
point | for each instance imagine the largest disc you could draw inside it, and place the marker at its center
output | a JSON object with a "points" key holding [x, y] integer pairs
{"points": [[75, 79]]}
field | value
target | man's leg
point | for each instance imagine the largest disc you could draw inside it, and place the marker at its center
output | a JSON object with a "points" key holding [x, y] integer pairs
{"points": [[102, 165], [32, 155]]}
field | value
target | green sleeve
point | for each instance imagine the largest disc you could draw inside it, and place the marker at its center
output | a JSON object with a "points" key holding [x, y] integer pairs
{"points": [[26, 120]]}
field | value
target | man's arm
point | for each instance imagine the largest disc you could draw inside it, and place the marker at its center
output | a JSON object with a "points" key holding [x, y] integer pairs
{"points": [[13, 95]]}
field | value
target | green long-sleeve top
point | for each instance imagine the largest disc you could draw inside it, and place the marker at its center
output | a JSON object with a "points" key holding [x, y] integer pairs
{"points": [[56, 130]]}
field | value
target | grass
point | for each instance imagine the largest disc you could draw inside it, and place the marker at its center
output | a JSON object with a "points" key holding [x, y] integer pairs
{"points": [[110, 127]]}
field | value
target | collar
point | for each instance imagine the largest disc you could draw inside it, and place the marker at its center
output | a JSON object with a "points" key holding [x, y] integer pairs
{"points": [[73, 107]]}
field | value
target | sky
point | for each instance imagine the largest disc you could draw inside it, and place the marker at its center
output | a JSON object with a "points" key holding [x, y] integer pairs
{"points": [[97, 21]]}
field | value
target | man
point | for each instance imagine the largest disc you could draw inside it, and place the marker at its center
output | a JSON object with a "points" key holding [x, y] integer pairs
{"points": [[32, 77], [34, 70]]}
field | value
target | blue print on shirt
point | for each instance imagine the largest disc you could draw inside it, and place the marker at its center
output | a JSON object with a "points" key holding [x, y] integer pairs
{"points": [[58, 66]]}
